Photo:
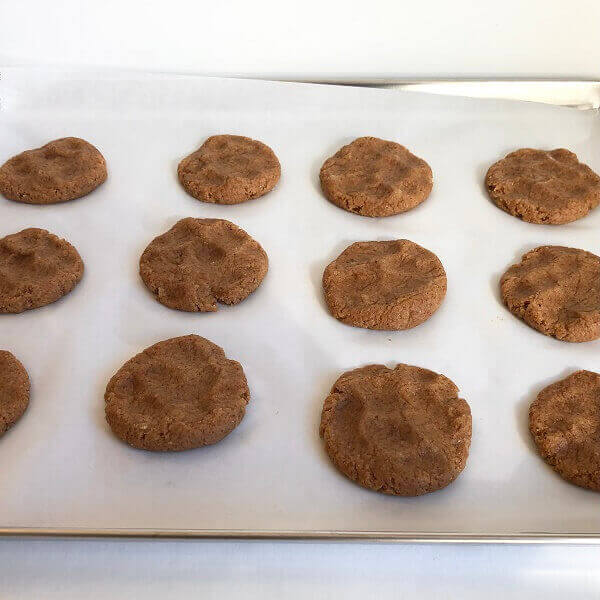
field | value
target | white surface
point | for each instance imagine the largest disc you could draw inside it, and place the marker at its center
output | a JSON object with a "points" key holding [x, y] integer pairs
{"points": [[62, 465], [164, 571], [336, 37]]}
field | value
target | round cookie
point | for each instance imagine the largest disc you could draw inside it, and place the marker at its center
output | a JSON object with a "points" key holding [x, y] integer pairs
{"points": [[539, 186], [61, 170], [178, 394], [556, 290], [229, 169], [14, 390], [564, 421], [36, 268], [401, 431], [375, 178], [200, 261], [388, 285]]}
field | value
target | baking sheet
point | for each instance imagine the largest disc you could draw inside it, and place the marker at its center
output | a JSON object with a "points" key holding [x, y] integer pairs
{"points": [[60, 465]]}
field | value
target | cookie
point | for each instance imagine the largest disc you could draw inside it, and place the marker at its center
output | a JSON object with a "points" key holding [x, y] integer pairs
{"points": [[14, 390], [401, 431], [384, 285], [61, 170], [375, 178], [36, 268], [556, 290], [540, 186], [201, 261], [229, 169], [564, 421], [178, 394]]}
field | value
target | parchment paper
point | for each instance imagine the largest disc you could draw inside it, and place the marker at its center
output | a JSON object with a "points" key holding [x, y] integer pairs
{"points": [[60, 466]]}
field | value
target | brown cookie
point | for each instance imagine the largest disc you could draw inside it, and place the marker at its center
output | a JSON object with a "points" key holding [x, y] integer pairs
{"points": [[564, 421], [540, 186], [556, 290], [384, 285], [14, 390], [401, 431], [178, 394], [375, 178], [229, 169], [200, 261], [36, 268], [61, 170]]}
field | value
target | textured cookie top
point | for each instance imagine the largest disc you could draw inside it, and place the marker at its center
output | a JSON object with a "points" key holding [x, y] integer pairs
{"points": [[384, 285], [541, 186], [564, 421], [14, 390], [400, 431], [200, 261], [178, 394], [229, 169], [61, 170], [36, 268], [556, 290], [375, 178]]}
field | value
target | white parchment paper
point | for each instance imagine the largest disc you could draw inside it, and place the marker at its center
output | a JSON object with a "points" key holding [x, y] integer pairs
{"points": [[60, 466]]}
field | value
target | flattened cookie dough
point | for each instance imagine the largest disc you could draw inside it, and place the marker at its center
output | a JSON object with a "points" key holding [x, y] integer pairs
{"points": [[14, 390], [384, 285], [556, 290], [229, 169], [178, 394], [201, 261], [401, 431], [564, 421], [540, 186], [61, 170], [36, 268], [375, 178]]}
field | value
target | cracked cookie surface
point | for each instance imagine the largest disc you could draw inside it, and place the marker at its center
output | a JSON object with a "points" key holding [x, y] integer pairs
{"points": [[564, 421], [229, 169], [389, 285], [62, 170], [375, 178], [401, 431], [14, 390], [201, 261], [178, 394], [546, 187], [36, 268], [556, 290]]}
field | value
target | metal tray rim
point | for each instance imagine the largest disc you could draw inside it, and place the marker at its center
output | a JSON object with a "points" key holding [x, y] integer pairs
{"points": [[412, 537]]}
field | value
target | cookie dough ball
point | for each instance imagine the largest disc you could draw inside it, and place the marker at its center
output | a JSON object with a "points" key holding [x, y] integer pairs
{"points": [[229, 169], [14, 390], [375, 178], [36, 268], [401, 431], [61, 170], [564, 421], [388, 285], [556, 290], [201, 261], [541, 186], [178, 394]]}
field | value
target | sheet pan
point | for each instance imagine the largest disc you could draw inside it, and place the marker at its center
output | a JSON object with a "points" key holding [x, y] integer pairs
{"points": [[63, 472]]}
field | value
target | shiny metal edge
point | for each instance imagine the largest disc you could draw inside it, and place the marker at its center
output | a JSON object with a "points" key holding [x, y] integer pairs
{"points": [[415, 537], [583, 94]]}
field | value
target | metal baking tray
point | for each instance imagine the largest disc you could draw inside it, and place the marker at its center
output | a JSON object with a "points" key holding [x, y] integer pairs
{"points": [[64, 474]]}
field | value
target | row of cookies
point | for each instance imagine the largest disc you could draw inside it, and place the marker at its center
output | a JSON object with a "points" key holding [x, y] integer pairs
{"points": [[384, 285], [369, 177], [402, 431]]}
